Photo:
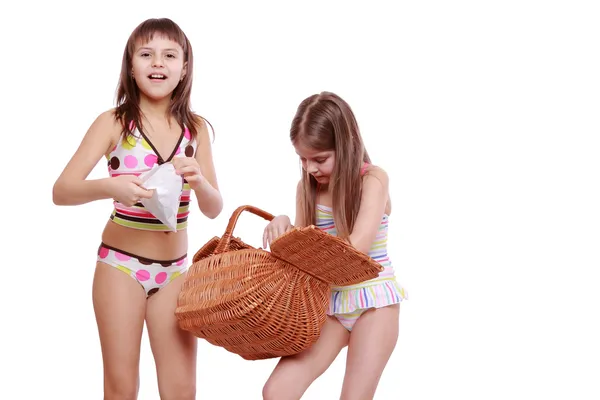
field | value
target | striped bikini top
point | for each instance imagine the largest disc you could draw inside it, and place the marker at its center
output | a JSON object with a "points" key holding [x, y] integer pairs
{"points": [[378, 250], [136, 155]]}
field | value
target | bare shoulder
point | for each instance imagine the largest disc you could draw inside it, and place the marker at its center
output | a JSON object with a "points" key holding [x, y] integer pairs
{"points": [[203, 142], [100, 137], [105, 130], [204, 155], [108, 119], [374, 172], [106, 124], [376, 182], [203, 135], [198, 121]]}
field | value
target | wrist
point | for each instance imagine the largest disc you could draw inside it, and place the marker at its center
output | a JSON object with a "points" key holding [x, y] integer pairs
{"points": [[286, 218], [104, 186], [201, 186]]}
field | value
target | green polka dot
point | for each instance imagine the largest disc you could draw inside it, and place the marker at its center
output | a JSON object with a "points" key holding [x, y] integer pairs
{"points": [[145, 144], [129, 143]]}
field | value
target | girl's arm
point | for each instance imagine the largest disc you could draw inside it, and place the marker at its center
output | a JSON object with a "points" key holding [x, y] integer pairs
{"points": [[281, 223], [71, 187], [207, 193], [372, 207]]}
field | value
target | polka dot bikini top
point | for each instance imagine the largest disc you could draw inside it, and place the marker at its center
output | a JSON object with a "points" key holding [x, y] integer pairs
{"points": [[136, 155]]}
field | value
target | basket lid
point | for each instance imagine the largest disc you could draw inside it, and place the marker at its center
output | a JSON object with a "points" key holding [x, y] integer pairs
{"points": [[325, 256]]}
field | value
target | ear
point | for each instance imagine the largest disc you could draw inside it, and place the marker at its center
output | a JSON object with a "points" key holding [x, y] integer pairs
{"points": [[184, 70]]}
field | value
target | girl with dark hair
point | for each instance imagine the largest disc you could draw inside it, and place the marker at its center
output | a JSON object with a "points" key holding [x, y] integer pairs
{"points": [[141, 263]]}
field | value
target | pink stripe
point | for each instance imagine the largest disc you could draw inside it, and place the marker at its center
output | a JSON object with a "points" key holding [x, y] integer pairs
{"points": [[134, 213], [146, 214], [387, 285]]}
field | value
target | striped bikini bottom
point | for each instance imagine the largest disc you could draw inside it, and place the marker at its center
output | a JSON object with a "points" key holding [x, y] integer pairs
{"points": [[348, 303]]}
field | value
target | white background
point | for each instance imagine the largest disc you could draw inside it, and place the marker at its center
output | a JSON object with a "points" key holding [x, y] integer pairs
{"points": [[485, 115]]}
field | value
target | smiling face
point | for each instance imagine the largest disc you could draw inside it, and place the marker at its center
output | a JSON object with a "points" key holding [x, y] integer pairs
{"points": [[318, 163], [158, 66]]}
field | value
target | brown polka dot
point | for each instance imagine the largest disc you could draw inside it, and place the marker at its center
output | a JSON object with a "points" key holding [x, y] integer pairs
{"points": [[189, 150], [166, 264], [115, 163], [152, 291], [144, 261]]}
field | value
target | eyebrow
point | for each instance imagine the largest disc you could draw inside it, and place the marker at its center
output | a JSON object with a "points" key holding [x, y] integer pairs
{"points": [[318, 155], [149, 48]]}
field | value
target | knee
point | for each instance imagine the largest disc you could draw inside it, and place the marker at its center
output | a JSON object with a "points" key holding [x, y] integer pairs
{"points": [[273, 391], [120, 390], [179, 391], [269, 392], [121, 383]]}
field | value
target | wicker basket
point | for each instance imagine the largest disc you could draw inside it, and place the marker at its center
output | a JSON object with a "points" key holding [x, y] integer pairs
{"points": [[261, 304]]}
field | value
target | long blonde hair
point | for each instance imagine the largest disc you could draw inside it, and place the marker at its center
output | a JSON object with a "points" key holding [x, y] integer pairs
{"points": [[326, 122]]}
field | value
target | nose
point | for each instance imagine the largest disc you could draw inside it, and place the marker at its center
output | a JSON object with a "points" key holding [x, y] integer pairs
{"points": [[157, 61], [311, 167]]}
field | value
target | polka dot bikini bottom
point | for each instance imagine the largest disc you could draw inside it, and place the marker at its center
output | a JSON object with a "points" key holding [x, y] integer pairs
{"points": [[151, 274]]}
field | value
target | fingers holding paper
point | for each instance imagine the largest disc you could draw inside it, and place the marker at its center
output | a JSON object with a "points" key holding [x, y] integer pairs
{"points": [[190, 170], [165, 185], [128, 190]]}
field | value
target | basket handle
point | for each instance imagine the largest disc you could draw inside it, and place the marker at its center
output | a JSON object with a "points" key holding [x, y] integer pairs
{"points": [[224, 242]]}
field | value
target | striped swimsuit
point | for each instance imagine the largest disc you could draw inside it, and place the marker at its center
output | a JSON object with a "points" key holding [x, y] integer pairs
{"points": [[134, 156], [347, 303]]}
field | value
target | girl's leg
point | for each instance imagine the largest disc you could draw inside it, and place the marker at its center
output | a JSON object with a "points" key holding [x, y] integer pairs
{"points": [[372, 342], [174, 349], [294, 374], [119, 304]]}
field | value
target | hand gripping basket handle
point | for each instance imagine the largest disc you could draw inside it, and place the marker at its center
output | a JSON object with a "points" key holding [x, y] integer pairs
{"points": [[224, 242]]}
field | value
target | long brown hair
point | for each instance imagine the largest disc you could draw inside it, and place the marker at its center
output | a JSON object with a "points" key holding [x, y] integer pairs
{"points": [[326, 122], [128, 110]]}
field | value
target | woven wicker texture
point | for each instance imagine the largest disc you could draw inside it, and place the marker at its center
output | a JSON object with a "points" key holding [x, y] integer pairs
{"points": [[260, 304]]}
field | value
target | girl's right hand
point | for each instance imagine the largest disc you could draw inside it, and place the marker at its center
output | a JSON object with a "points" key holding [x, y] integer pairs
{"points": [[128, 190], [277, 227]]}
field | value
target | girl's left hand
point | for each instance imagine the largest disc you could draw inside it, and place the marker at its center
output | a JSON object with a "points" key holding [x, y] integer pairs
{"points": [[188, 167]]}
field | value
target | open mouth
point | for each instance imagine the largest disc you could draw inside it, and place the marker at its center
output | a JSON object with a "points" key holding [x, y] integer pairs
{"points": [[157, 77]]}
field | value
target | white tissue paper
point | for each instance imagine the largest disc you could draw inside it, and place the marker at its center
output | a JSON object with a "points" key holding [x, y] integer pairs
{"points": [[167, 186]]}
